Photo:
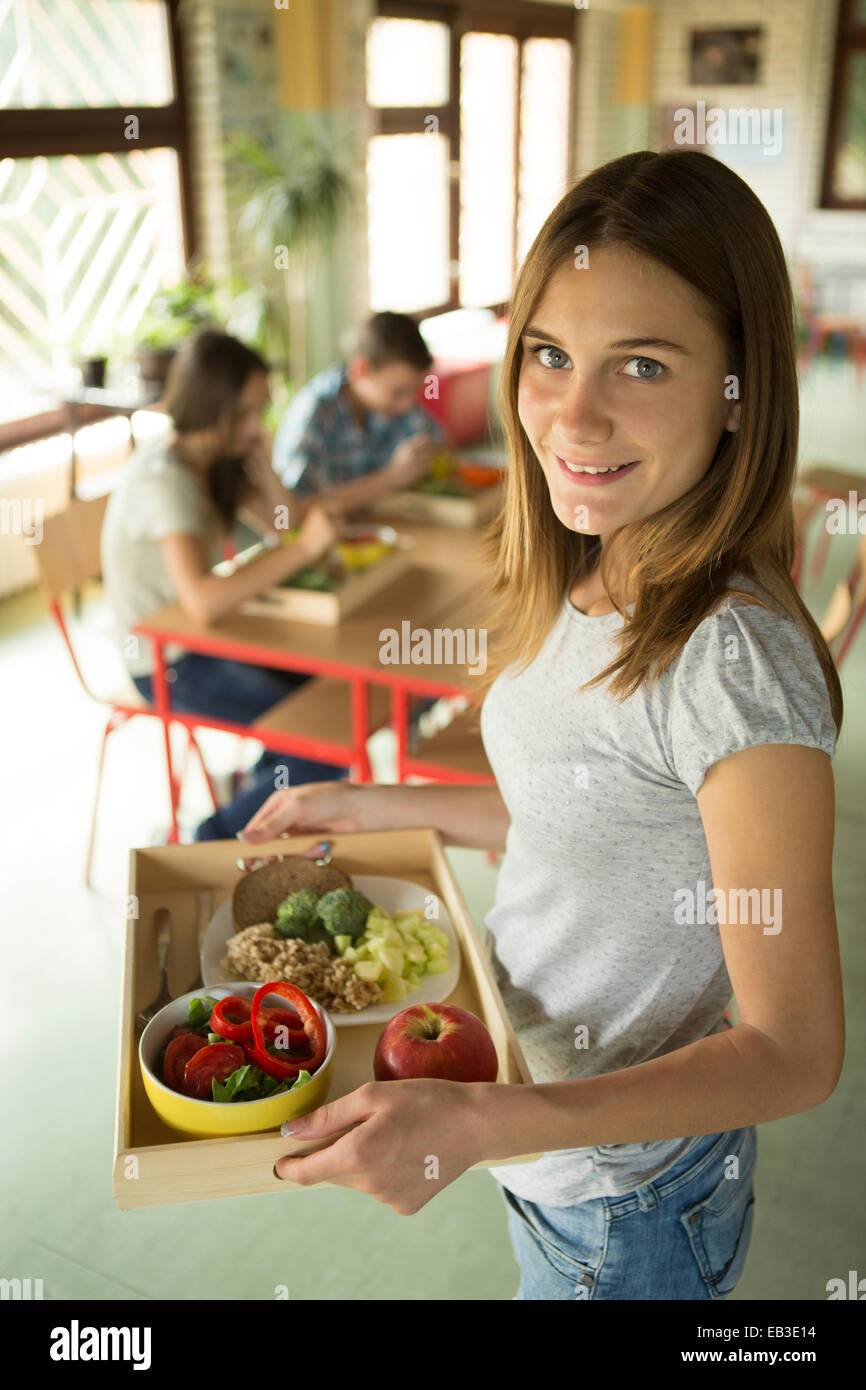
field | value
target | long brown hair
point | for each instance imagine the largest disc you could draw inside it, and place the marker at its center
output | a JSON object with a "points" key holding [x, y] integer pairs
{"points": [[204, 382], [697, 217]]}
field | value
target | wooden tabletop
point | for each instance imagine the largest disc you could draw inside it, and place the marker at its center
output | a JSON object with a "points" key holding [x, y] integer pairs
{"points": [[441, 590]]}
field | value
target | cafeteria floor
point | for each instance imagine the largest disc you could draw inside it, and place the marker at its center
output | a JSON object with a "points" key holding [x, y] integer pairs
{"points": [[62, 958]]}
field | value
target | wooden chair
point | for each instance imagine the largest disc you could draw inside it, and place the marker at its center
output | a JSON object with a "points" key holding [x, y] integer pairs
{"points": [[68, 557], [832, 307], [847, 607], [822, 483]]}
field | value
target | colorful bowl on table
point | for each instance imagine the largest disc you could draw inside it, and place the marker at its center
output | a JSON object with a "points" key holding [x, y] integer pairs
{"points": [[479, 474], [209, 1119]]}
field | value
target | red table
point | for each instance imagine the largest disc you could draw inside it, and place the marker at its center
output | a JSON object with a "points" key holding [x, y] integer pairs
{"points": [[443, 582]]}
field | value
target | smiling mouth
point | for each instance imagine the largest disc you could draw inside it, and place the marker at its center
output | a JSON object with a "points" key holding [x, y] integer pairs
{"points": [[594, 469]]}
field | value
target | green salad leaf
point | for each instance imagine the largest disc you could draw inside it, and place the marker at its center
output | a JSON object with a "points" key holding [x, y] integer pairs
{"points": [[249, 1082]]}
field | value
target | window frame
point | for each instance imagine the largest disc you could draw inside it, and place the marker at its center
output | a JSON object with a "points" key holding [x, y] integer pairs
{"points": [[466, 16], [850, 37], [28, 133]]}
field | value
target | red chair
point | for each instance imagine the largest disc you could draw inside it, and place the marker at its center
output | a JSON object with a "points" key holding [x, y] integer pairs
{"points": [[822, 319], [822, 484], [68, 557]]}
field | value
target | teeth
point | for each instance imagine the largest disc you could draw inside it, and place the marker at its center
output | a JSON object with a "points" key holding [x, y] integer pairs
{"points": [[577, 468]]}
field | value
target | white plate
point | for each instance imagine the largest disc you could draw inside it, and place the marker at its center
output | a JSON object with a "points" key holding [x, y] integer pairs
{"points": [[394, 895]]}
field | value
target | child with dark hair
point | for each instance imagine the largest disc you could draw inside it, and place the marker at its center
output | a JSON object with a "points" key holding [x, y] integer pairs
{"points": [[165, 528], [355, 433]]}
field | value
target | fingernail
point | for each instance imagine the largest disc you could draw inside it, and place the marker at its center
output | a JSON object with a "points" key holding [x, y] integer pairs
{"points": [[290, 1127]]}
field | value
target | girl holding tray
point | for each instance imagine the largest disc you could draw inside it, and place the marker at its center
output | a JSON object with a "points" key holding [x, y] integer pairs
{"points": [[660, 717]]}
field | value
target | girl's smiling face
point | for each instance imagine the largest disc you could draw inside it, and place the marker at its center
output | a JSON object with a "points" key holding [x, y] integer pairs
{"points": [[621, 365]]}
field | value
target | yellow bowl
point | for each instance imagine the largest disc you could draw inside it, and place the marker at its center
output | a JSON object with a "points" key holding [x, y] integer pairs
{"points": [[208, 1119]]}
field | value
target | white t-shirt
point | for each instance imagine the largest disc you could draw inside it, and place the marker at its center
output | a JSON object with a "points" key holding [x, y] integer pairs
{"points": [[155, 496], [605, 845]]}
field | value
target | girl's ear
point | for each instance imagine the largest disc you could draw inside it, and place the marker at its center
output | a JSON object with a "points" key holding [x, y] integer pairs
{"points": [[733, 421]]}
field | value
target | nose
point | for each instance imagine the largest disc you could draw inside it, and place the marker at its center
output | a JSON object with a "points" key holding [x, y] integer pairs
{"points": [[582, 417]]}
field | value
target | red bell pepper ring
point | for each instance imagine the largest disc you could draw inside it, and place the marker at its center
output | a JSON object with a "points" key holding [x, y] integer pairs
{"points": [[314, 1028], [238, 1028], [231, 1018], [290, 1021]]}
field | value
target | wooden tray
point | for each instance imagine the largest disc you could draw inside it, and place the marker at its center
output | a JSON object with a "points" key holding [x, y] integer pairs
{"points": [[328, 609], [445, 511], [155, 1165]]}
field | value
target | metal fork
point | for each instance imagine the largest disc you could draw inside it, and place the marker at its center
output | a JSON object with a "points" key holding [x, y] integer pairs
{"points": [[162, 926]]}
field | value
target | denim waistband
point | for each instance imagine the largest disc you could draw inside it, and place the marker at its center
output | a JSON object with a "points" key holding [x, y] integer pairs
{"points": [[704, 1152]]}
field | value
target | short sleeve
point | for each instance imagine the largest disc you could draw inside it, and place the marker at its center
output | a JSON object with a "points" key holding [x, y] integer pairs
{"points": [[297, 447], [747, 676], [162, 502]]}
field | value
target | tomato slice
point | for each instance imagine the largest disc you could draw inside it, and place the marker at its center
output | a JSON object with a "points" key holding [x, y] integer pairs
{"points": [[177, 1054], [213, 1060]]}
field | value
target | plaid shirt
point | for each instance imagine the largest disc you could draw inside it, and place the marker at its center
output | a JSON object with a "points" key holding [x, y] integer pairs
{"points": [[320, 444]]}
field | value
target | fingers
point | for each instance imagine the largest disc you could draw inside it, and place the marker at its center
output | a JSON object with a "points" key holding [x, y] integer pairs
{"points": [[271, 818]]}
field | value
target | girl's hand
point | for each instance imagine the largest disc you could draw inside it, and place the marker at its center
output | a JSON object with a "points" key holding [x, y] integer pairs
{"points": [[408, 1140], [311, 806], [317, 533]]}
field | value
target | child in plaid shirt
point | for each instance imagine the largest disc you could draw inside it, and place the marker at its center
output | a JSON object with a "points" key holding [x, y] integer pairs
{"points": [[355, 433]]}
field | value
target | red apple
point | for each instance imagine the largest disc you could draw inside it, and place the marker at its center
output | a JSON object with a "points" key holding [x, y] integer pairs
{"points": [[435, 1040]]}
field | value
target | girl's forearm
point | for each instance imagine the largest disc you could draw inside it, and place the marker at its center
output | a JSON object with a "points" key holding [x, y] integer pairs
{"points": [[725, 1081], [474, 817], [220, 594]]}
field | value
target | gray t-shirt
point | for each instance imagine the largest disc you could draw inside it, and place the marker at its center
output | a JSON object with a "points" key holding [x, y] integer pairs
{"points": [[155, 496], [588, 923]]}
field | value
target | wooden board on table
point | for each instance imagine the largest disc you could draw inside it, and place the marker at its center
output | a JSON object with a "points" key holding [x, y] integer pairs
{"points": [[329, 608], [460, 512]]}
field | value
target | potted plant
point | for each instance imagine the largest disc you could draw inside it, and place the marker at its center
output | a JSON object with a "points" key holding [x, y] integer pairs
{"points": [[295, 205], [90, 355], [172, 315]]}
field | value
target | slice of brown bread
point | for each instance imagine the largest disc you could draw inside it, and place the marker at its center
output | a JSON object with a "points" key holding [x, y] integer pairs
{"points": [[258, 894]]}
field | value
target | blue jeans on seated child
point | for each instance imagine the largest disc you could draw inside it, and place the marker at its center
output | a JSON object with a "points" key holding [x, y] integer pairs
{"points": [[684, 1236], [233, 690]]}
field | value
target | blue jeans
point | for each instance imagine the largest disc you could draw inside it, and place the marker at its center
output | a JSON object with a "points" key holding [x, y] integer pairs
{"points": [[684, 1236], [233, 690]]}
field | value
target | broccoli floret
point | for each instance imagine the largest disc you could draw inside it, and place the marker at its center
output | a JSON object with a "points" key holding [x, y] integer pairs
{"points": [[344, 911], [297, 915]]}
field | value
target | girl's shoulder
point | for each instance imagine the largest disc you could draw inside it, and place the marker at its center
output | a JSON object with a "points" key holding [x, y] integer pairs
{"points": [[750, 624], [155, 458], [157, 494], [747, 675]]}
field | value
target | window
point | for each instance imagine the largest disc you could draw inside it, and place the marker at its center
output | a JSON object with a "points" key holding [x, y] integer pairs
{"points": [[472, 111], [93, 181], [844, 184]]}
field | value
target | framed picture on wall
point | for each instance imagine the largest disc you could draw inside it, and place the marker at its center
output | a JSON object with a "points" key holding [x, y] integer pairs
{"points": [[725, 57]]}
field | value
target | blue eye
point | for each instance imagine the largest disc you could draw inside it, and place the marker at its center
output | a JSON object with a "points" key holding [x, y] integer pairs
{"points": [[536, 351], [652, 363]]}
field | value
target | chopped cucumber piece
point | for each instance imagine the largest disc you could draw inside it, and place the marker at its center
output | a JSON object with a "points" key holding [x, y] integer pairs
{"points": [[395, 990], [369, 969], [392, 958]]}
